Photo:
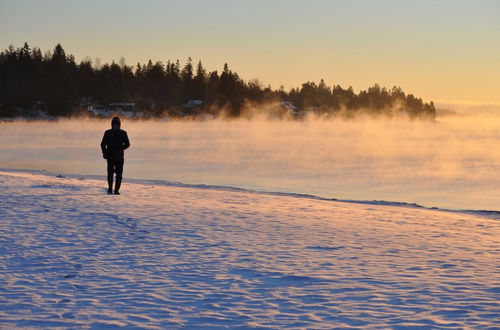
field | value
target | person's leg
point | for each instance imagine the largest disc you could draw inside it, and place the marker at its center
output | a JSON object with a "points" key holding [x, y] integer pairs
{"points": [[119, 172], [110, 169]]}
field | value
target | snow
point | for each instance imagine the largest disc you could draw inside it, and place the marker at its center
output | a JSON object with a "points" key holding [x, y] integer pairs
{"points": [[174, 256]]}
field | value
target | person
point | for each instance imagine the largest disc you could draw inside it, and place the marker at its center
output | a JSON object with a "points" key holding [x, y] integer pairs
{"points": [[114, 142]]}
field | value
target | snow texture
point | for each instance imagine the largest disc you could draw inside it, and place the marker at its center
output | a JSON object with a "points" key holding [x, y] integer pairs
{"points": [[167, 256]]}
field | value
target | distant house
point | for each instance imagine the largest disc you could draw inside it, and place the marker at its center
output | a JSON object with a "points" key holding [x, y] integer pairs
{"points": [[124, 109], [289, 106], [192, 106], [98, 110], [292, 109]]}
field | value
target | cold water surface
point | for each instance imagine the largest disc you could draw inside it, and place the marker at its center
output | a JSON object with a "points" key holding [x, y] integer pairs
{"points": [[453, 163]]}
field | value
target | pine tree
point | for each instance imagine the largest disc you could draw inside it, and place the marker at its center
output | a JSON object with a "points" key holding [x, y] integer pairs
{"points": [[28, 78]]}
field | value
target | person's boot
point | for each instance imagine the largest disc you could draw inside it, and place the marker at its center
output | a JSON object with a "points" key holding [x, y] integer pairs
{"points": [[117, 187], [110, 186]]}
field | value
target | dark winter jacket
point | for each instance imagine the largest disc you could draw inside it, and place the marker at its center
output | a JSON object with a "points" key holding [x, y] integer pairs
{"points": [[113, 143]]}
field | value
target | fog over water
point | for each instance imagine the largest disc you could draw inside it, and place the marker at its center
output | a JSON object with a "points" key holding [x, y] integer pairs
{"points": [[451, 163]]}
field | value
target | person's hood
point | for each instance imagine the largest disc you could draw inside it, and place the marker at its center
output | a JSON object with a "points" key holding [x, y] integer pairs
{"points": [[115, 120]]}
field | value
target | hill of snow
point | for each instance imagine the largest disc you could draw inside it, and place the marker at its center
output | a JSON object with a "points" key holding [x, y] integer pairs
{"points": [[168, 256]]}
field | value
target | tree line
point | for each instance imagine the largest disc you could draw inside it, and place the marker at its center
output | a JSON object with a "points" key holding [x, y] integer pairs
{"points": [[54, 80]]}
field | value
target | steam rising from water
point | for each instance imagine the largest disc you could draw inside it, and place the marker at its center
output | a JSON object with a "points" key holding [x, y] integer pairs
{"points": [[451, 163]]}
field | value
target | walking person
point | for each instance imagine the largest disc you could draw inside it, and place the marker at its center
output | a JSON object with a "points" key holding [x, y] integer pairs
{"points": [[114, 142]]}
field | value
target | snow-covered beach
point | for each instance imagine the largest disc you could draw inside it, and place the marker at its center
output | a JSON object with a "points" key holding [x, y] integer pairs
{"points": [[173, 256]]}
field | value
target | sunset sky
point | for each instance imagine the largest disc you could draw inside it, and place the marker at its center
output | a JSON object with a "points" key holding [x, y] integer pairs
{"points": [[446, 51]]}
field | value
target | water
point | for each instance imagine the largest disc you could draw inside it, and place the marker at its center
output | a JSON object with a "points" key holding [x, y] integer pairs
{"points": [[453, 163]]}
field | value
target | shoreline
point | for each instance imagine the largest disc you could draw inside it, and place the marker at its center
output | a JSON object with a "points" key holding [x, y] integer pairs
{"points": [[489, 214]]}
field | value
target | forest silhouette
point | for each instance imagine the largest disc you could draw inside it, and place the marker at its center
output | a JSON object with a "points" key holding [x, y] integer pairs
{"points": [[55, 82]]}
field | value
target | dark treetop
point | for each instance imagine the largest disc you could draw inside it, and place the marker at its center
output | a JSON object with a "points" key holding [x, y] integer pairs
{"points": [[56, 83]]}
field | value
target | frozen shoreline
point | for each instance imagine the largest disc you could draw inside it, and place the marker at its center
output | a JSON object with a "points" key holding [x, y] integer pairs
{"points": [[174, 255], [490, 214]]}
